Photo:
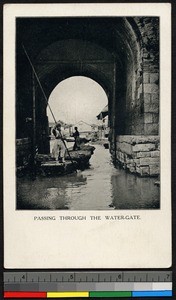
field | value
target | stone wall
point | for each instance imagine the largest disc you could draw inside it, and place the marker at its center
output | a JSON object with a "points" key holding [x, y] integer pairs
{"points": [[141, 97], [139, 154], [150, 35]]}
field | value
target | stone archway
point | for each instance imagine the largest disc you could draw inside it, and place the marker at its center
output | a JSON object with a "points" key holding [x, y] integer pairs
{"points": [[121, 54], [65, 59]]}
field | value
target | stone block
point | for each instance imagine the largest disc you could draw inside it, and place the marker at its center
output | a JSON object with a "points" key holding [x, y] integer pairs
{"points": [[148, 118], [155, 118], [147, 98], [147, 161], [143, 154], [138, 170], [125, 148], [146, 77], [155, 153], [138, 139], [151, 129], [137, 161], [144, 171], [143, 147], [151, 88], [146, 68], [124, 138], [154, 170], [155, 98], [154, 78], [151, 108]]}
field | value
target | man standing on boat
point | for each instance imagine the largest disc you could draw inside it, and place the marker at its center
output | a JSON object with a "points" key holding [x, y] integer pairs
{"points": [[59, 148], [77, 139]]}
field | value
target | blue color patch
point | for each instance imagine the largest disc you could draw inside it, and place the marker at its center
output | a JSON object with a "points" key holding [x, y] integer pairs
{"points": [[152, 294]]}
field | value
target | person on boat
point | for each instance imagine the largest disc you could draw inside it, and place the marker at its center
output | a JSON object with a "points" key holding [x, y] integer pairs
{"points": [[76, 145], [59, 148]]}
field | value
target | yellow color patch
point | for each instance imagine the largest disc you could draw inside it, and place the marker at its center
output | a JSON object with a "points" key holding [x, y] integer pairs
{"points": [[67, 294]]}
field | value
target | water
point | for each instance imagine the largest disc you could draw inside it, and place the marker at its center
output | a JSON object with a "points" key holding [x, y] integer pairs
{"points": [[101, 187]]}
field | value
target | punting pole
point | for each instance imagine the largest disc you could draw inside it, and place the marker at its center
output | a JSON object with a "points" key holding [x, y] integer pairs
{"points": [[46, 99]]}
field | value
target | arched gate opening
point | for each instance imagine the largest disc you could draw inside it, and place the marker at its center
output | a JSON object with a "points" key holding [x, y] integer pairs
{"points": [[121, 54]]}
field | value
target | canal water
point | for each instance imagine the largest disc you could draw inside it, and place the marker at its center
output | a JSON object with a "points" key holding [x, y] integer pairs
{"points": [[101, 187]]}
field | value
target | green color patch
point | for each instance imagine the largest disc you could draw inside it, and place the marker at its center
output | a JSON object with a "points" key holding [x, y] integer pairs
{"points": [[110, 294]]}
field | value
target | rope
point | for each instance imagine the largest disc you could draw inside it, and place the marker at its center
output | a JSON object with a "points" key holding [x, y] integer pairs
{"points": [[38, 80]]}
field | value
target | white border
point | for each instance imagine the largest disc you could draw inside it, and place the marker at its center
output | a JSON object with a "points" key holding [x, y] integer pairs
{"points": [[101, 244]]}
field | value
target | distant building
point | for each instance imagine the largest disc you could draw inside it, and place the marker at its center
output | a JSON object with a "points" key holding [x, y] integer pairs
{"points": [[103, 127]]}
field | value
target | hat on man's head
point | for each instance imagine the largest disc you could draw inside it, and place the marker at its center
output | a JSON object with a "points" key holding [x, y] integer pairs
{"points": [[58, 124]]}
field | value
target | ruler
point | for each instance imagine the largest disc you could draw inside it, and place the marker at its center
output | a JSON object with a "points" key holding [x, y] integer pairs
{"points": [[87, 284]]}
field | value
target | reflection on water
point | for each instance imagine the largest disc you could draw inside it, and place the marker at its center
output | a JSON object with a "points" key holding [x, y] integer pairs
{"points": [[101, 187]]}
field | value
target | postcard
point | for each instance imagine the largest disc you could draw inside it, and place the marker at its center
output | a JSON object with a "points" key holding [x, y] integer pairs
{"points": [[87, 135]]}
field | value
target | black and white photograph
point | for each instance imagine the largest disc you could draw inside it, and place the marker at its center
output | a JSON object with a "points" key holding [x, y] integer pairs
{"points": [[87, 135], [87, 113]]}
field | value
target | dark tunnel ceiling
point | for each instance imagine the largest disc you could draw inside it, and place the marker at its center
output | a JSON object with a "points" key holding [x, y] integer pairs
{"points": [[38, 33]]}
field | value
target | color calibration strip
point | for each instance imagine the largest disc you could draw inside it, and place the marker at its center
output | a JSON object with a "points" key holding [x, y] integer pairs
{"points": [[87, 284], [94, 294]]}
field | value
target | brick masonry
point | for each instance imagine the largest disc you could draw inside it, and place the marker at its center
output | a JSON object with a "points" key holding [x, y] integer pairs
{"points": [[139, 154]]}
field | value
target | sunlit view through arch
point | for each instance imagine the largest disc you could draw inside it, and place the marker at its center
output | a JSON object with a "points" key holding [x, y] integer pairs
{"points": [[77, 99]]}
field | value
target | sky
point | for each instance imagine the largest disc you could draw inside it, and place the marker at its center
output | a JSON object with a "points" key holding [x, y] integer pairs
{"points": [[77, 98]]}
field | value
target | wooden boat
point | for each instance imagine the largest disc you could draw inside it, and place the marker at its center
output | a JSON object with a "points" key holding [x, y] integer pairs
{"points": [[79, 161]]}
